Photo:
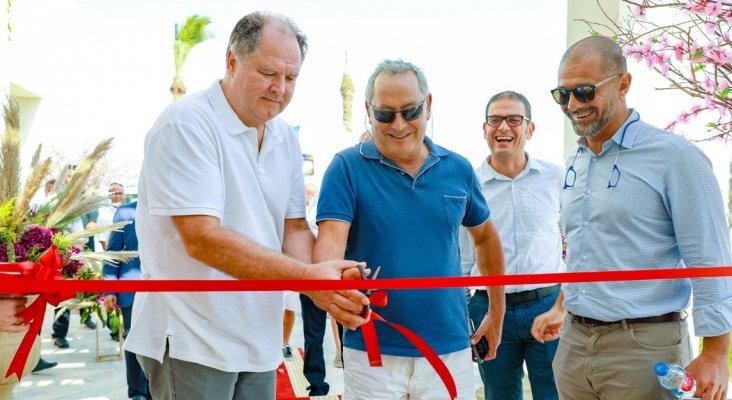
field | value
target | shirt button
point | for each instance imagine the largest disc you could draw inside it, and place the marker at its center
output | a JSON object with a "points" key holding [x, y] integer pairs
{"points": [[584, 258], [588, 191], [587, 223], [583, 291], [594, 158]]}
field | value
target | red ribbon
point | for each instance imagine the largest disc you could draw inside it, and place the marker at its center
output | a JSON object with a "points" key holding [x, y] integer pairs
{"points": [[48, 269], [370, 339], [46, 279], [232, 285]]}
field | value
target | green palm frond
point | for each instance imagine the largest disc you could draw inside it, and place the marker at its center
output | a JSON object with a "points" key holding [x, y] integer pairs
{"points": [[190, 34], [347, 91]]}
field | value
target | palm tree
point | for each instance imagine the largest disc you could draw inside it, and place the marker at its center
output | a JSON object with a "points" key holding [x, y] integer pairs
{"points": [[347, 95], [192, 33]]}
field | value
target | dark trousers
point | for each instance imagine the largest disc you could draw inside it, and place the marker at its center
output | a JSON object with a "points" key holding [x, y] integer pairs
{"points": [[502, 377], [61, 325], [313, 323], [137, 384]]}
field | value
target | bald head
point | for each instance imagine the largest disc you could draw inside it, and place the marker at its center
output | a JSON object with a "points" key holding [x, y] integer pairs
{"points": [[610, 54]]}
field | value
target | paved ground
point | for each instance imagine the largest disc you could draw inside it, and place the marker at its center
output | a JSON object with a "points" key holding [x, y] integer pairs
{"points": [[79, 376]]}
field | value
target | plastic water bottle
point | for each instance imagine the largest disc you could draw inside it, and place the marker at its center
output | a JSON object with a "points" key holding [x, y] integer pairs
{"points": [[676, 380]]}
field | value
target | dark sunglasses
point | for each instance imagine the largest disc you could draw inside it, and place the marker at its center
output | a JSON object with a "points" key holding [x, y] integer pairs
{"points": [[409, 114], [583, 93]]}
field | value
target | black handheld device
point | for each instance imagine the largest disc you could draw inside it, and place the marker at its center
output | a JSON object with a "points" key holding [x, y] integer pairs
{"points": [[480, 349]]}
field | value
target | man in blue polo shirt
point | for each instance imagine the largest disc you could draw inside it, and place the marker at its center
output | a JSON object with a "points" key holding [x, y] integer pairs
{"points": [[397, 202]]}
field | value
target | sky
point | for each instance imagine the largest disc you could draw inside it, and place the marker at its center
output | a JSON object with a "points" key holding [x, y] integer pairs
{"points": [[104, 67]]}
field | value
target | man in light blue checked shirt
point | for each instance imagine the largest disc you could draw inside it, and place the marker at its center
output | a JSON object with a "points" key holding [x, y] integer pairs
{"points": [[635, 197], [525, 193]]}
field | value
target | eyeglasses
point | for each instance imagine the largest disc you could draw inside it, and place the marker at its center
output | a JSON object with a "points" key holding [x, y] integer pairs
{"points": [[409, 114], [583, 93], [614, 178], [511, 120], [116, 193]]}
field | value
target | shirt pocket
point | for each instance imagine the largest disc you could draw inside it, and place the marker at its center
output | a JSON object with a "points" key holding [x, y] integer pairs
{"points": [[454, 210]]}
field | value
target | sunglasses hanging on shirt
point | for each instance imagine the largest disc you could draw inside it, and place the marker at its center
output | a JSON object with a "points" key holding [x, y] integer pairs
{"points": [[571, 175]]}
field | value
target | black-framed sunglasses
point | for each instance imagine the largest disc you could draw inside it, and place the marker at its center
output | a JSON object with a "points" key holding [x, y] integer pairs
{"points": [[511, 120], [583, 93], [409, 114]]}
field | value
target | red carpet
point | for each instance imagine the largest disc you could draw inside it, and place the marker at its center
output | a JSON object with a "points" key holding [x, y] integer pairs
{"points": [[291, 383], [284, 386]]}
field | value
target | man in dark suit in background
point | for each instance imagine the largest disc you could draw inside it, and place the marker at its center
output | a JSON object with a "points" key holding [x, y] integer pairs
{"points": [[126, 240]]}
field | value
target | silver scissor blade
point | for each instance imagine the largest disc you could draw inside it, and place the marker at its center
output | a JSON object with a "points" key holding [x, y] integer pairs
{"points": [[376, 272], [373, 277]]}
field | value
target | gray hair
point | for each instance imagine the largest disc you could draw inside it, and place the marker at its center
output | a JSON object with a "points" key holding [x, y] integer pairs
{"points": [[395, 67], [245, 37], [510, 95]]}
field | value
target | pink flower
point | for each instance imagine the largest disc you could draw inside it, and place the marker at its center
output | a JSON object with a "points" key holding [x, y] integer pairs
{"points": [[709, 102], [709, 26], [20, 253], [640, 13], [38, 236], [679, 50], [718, 55], [713, 8], [708, 84], [71, 267]]}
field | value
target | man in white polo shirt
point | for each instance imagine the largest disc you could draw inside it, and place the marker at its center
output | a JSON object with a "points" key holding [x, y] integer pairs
{"points": [[221, 196]]}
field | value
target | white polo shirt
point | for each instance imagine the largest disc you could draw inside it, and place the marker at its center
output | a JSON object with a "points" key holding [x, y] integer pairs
{"points": [[201, 160]]}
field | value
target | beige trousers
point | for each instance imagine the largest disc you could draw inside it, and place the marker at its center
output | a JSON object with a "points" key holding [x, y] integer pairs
{"points": [[9, 343], [616, 361]]}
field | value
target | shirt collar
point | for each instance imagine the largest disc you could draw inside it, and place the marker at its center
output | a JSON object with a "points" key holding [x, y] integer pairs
{"points": [[486, 172], [368, 149], [629, 130], [225, 113]]}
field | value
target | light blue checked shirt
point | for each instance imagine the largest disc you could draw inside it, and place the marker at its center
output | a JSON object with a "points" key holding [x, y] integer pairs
{"points": [[525, 210], [665, 212]]}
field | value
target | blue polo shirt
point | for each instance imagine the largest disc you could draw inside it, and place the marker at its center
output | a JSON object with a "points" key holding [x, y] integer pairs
{"points": [[409, 227]]}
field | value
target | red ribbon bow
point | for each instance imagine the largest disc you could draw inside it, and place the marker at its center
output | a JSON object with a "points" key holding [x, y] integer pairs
{"points": [[379, 299], [47, 268]]}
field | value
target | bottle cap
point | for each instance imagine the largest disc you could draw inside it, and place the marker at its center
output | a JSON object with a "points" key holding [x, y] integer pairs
{"points": [[661, 368]]}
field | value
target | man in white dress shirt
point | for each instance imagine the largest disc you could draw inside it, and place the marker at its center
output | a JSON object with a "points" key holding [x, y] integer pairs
{"points": [[524, 195]]}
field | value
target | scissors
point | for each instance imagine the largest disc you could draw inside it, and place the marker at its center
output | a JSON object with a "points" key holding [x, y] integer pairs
{"points": [[362, 271]]}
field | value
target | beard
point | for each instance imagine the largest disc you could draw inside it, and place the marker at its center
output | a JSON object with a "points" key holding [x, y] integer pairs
{"points": [[592, 128]]}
